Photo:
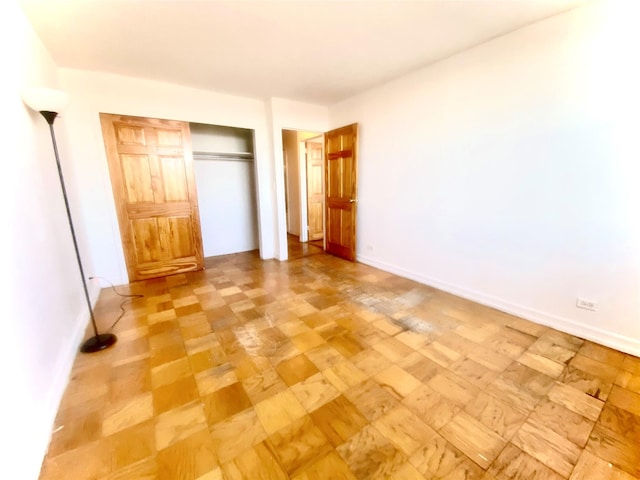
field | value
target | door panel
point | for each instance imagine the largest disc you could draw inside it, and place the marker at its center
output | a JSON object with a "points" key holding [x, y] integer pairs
{"points": [[137, 176], [315, 190], [174, 179], [341, 191], [155, 193]]}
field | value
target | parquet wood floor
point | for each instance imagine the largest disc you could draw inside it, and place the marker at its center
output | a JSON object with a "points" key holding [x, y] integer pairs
{"points": [[318, 368]]}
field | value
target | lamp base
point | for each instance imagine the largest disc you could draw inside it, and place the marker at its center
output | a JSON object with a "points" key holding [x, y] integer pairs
{"points": [[99, 342]]}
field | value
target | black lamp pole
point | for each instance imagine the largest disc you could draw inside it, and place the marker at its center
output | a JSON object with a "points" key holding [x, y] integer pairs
{"points": [[98, 341]]}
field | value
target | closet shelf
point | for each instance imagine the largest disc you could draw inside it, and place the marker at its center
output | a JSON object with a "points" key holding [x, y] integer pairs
{"points": [[224, 157]]}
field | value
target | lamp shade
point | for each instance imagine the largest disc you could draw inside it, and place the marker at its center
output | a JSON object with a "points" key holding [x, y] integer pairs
{"points": [[43, 99]]}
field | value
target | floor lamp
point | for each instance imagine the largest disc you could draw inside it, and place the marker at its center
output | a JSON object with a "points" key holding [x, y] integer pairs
{"points": [[49, 103]]}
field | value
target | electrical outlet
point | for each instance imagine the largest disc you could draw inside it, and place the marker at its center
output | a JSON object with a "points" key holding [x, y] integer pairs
{"points": [[586, 304]]}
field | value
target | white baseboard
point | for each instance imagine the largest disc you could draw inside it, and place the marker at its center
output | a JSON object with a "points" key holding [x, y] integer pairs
{"points": [[603, 337], [50, 405]]}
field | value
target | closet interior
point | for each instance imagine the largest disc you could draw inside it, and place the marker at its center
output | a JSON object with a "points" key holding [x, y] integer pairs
{"points": [[225, 179]]}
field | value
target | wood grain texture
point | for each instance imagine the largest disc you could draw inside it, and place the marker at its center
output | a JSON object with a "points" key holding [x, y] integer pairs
{"points": [[475, 440], [318, 369], [341, 183], [154, 189], [315, 190]]}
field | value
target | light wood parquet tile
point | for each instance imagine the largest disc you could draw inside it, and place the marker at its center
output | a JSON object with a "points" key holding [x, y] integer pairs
{"points": [[454, 388], [323, 369], [510, 342], [314, 392], [563, 421], [175, 394], [213, 379], [495, 415], [621, 422], [489, 358], [339, 419], [256, 463], [616, 448], [298, 445], [430, 406], [625, 399], [513, 463], [393, 349], [475, 440], [225, 402], [371, 362], [631, 364], [263, 385], [420, 366], [179, 423], [296, 369], [132, 445], [546, 446], [437, 458], [128, 413], [370, 455], [191, 457], [96, 462], [371, 399], [441, 354], [330, 466], [404, 429], [576, 400], [602, 354], [521, 387], [590, 384], [542, 364], [237, 434], [397, 381], [77, 430], [589, 466], [146, 469], [473, 372], [628, 381], [280, 410], [344, 375]]}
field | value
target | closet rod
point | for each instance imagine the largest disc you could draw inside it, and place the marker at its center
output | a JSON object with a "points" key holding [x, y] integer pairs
{"points": [[223, 157]]}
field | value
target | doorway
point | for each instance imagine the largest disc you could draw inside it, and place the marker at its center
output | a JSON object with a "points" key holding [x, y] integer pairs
{"points": [[303, 157]]}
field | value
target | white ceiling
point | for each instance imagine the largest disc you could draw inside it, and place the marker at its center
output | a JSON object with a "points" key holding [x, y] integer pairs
{"points": [[315, 51]]}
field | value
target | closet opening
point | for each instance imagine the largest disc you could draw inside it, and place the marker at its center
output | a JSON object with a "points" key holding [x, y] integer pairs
{"points": [[224, 166]]}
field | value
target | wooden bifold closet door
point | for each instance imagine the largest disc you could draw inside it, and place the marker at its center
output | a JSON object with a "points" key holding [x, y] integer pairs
{"points": [[151, 167]]}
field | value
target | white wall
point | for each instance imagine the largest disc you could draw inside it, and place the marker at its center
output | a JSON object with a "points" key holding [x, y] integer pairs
{"points": [[508, 173], [44, 307], [226, 199], [216, 138], [93, 92], [226, 190], [290, 115]]}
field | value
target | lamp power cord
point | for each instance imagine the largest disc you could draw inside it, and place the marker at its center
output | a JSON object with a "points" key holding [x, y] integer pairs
{"points": [[128, 297]]}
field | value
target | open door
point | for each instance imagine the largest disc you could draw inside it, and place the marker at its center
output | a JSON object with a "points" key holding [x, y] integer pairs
{"points": [[315, 190], [151, 167], [341, 191]]}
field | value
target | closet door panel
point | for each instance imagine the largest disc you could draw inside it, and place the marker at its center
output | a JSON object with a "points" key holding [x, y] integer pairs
{"points": [[151, 167]]}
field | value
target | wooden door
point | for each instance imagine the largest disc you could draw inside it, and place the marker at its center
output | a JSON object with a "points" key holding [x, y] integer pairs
{"points": [[151, 167], [315, 190], [341, 191]]}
